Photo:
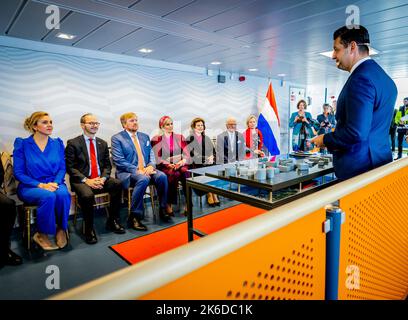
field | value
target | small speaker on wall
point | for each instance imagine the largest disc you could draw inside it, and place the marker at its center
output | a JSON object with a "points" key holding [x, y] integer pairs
{"points": [[221, 79]]}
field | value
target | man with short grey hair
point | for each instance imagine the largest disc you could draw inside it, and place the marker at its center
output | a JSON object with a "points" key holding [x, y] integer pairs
{"points": [[230, 143]]}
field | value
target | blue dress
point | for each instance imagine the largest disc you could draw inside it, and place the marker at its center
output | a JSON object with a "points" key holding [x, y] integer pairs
{"points": [[32, 167], [301, 132]]}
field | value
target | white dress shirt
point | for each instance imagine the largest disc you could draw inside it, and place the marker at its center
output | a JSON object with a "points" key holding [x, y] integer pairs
{"points": [[358, 63]]}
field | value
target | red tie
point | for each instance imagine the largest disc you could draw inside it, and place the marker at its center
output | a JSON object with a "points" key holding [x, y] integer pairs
{"points": [[94, 166]]}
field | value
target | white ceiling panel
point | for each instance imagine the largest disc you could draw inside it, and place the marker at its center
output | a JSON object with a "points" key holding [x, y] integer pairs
{"points": [[203, 9], [122, 3], [77, 24], [105, 35], [177, 49], [133, 41], [183, 58], [294, 14], [160, 7], [8, 10], [244, 13], [30, 23], [158, 45]]}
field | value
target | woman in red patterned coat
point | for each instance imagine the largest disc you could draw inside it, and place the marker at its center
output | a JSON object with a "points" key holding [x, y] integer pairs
{"points": [[171, 158]]}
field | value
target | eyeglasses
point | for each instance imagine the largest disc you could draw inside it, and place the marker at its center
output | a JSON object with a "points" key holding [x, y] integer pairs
{"points": [[93, 123]]}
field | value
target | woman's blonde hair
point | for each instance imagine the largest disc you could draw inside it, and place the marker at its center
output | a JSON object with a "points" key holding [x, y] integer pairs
{"points": [[32, 120], [252, 116]]}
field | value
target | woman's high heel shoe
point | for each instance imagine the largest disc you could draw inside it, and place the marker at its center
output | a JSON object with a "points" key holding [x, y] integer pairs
{"points": [[210, 200], [63, 244], [37, 239], [216, 200]]}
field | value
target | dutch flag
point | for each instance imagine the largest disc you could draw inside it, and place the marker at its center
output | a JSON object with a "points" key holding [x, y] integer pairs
{"points": [[269, 123]]}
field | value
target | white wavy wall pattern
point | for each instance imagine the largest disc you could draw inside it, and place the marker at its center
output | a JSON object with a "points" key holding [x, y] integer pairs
{"points": [[68, 86]]}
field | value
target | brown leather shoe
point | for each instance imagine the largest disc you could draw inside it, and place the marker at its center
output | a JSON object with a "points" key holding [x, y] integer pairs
{"points": [[136, 224]]}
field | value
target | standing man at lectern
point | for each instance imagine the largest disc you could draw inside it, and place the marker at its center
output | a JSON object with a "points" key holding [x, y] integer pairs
{"points": [[364, 108]]}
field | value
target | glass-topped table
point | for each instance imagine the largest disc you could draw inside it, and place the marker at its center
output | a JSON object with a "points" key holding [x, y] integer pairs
{"points": [[251, 182]]}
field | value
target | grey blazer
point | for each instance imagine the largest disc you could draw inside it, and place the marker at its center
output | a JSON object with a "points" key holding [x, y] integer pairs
{"points": [[199, 152], [225, 153]]}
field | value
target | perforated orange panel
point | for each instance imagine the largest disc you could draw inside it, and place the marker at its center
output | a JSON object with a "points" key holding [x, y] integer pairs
{"points": [[374, 243], [286, 264]]}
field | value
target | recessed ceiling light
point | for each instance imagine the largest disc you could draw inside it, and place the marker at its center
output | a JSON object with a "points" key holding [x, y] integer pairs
{"points": [[216, 63], [246, 46], [281, 74], [145, 50], [329, 54], [65, 36], [253, 69]]}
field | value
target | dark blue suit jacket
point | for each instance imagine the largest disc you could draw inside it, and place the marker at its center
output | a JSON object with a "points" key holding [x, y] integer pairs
{"points": [[365, 106], [124, 155]]}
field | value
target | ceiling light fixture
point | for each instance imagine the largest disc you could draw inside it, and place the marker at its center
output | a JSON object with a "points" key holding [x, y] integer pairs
{"points": [[281, 74], [65, 36], [145, 50], [253, 69], [216, 63]]}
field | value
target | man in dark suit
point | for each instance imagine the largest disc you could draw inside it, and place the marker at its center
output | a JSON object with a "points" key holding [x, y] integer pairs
{"points": [[393, 130], [134, 159], [401, 125], [364, 108], [230, 143], [7, 218], [89, 167]]}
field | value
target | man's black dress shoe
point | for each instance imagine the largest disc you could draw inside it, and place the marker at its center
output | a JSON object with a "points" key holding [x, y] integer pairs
{"points": [[90, 237], [114, 226], [163, 215], [136, 224], [11, 259]]}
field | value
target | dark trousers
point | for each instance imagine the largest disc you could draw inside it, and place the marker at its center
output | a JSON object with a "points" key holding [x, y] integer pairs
{"points": [[173, 179], [401, 134], [392, 136], [86, 200], [7, 218]]}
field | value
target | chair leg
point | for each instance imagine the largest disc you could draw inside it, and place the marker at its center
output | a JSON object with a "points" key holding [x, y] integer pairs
{"points": [[75, 211], [28, 227], [129, 202], [155, 215], [152, 197]]}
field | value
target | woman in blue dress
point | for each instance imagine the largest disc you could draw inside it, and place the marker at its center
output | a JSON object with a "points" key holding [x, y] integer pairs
{"points": [[39, 166], [303, 127]]}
